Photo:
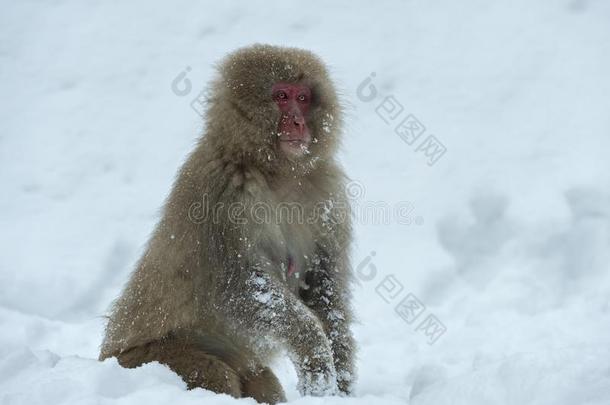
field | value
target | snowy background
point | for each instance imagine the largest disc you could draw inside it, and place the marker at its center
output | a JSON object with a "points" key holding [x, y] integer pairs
{"points": [[507, 243]]}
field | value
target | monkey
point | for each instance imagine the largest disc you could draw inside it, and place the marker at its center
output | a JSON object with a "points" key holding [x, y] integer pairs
{"points": [[218, 296]]}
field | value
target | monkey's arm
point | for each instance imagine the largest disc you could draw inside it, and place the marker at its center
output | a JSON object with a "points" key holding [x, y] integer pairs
{"points": [[328, 294], [259, 306], [329, 297]]}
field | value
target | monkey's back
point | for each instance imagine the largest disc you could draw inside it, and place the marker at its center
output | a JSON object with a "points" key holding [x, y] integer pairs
{"points": [[160, 296]]}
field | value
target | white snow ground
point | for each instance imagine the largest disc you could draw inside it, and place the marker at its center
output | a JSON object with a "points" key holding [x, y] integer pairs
{"points": [[509, 241]]}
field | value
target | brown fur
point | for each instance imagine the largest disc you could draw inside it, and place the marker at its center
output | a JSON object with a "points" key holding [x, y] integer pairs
{"points": [[211, 294]]}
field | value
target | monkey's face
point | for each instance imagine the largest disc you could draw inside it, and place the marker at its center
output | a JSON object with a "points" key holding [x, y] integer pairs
{"points": [[275, 108], [293, 102]]}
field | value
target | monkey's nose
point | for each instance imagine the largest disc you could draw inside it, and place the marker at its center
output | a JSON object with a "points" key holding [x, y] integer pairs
{"points": [[299, 122]]}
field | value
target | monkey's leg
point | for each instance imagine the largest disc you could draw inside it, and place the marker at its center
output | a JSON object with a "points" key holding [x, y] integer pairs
{"points": [[262, 385], [197, 368]]}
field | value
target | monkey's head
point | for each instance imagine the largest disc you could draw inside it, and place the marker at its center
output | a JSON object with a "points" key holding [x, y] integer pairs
{"points": [[276, 108]]}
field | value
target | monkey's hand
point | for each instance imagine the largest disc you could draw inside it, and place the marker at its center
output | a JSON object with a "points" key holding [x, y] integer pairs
{"points": [[317, 375]]}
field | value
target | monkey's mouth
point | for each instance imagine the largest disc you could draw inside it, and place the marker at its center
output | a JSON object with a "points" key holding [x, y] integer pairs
{"points": [[295, 141], [294, 147]]}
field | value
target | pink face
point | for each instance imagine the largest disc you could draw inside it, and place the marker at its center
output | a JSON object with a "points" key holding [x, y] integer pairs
{"points": [[294, 101]]}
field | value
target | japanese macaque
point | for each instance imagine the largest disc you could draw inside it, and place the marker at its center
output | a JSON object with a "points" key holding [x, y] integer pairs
{"points": [[226, 286]]}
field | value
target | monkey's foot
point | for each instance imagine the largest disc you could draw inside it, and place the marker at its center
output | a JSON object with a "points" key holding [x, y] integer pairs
{"points": [[263, 386], [196, 367]]}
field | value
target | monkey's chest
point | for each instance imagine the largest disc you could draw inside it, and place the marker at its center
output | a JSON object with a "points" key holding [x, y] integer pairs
{"points": [[297, 232], [297, 249], [293, 273]]}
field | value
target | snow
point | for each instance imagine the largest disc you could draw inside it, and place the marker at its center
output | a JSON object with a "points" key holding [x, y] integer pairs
{"points": [[507, 250]]}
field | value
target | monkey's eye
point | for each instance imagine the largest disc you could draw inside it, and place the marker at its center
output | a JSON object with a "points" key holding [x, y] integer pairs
{"points": [[280, 95], [302, 98]]}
